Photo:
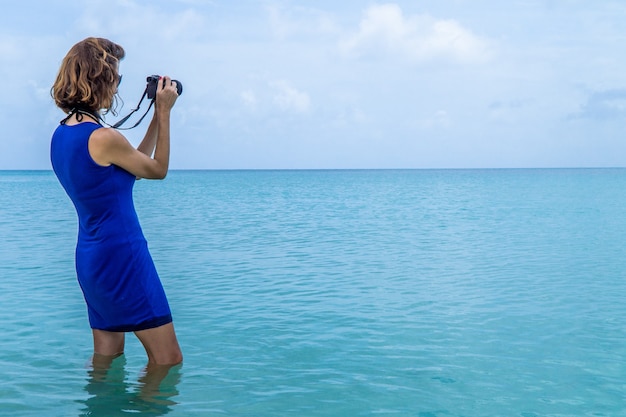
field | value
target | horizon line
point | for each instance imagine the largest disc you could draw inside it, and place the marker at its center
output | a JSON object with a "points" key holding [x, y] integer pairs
{"points": [[354, 169]]}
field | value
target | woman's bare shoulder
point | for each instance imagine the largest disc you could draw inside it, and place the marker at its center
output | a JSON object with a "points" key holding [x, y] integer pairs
{"points": [[105, 142]]}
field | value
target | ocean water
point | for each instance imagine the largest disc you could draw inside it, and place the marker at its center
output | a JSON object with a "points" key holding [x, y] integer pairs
{"points": [[429, 293]]}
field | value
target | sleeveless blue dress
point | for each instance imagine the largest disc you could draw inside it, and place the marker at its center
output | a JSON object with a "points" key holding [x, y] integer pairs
{"points": [[113, 265]]}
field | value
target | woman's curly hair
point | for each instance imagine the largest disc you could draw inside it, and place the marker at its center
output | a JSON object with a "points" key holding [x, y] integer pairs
{"points": [[88, 77]]}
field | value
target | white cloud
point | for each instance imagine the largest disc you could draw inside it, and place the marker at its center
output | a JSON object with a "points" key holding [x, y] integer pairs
{"points": [[349, 116], [439, 119], [300, 21], [249, 98], [603, 105], [130, 17], [289, 98], [384, 30]]}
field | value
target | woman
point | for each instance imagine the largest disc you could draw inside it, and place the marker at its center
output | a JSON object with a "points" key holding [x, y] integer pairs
{"points": [[97, 167]]}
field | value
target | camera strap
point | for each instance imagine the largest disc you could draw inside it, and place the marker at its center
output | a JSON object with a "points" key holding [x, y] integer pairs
{"points": [[124, 119]]}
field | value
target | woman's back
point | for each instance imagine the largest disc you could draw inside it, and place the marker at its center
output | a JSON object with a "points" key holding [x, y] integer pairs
{"points": [[102, 195]]}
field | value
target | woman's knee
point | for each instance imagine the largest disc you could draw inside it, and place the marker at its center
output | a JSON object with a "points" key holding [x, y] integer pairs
{"points": [[165, 357], [173, 357]]}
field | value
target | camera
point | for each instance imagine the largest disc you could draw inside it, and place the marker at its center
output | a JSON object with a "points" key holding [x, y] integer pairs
{"points": [[153, 81]]}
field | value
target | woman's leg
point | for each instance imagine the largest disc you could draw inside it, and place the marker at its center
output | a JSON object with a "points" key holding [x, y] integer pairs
{"points": [[161, 345], [108, 343]]}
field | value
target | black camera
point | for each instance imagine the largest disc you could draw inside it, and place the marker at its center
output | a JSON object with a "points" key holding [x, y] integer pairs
{"points": [[153, 81]]}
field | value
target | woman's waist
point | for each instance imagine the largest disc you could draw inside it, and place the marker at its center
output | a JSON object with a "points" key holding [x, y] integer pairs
{"points": [[112, 234]]}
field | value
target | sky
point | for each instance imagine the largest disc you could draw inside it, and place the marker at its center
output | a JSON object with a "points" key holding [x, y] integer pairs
{"points": [[282, 84]]}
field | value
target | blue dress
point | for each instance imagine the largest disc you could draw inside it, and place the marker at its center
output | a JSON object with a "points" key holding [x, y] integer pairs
{"points": [[113, 265]]}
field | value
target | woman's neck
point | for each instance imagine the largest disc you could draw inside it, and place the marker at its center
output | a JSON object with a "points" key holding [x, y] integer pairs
{"points": [[76, 116]]}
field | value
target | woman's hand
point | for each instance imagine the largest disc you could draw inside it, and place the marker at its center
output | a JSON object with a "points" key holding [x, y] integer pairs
{"points": [[166, 94]]}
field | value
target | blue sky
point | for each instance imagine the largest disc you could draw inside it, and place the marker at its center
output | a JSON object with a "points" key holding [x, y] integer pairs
{"points": [[350, 84]]}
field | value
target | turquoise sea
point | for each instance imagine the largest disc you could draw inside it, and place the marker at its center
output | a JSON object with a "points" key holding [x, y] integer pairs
{"points": [[428, 293]]}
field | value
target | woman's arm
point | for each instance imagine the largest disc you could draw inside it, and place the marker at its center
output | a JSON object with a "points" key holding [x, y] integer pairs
{"points": [[148, 143], [108, 146]]}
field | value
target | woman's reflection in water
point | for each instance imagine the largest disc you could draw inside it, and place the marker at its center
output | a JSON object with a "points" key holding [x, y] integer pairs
{"points": [[111, 395]]}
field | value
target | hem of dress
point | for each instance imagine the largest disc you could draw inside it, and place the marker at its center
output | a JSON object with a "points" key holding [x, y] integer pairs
{"points": [[145, 325]]}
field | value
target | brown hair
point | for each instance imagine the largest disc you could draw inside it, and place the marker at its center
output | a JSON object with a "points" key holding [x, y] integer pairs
{"points": [[88, 77]]}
